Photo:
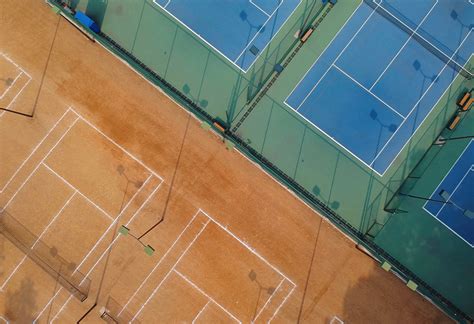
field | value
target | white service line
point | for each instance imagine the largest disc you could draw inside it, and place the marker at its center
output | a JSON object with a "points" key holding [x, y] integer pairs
{"points": [[453, 192], [259, 8], [269, 299], [34, 150], [202, 292], [368, 91], [337, 57], [446, 175], [18, 93], [406, 42], [39, 164], [159, 262], [11, 85], [39, 238], [170, 271], [251, 249], [119, 146], [258, 32], [200, 312], [110, 245], [215, 48], [78, 191], [281, 305], [113, 223], [417, 103]]}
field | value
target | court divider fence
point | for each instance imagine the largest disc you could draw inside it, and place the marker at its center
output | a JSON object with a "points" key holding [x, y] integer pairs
{"points": [[235, 92], [113, 312]]}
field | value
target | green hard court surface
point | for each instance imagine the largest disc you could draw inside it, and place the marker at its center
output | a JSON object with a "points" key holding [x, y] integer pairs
{"points": [[314, 161]]}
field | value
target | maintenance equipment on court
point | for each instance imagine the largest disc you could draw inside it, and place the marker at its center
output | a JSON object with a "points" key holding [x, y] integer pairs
{"points": [[404, 26], [149, 250], [46, 257]]}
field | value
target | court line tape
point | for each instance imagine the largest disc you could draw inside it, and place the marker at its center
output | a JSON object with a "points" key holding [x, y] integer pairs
{"points": [[67, 183], [437, 101], [11, 85], [24, 86], [251, 249], [152, 174], [218, 51], [268, 300], [4, 319], [159, 262], [75, 190], [114, 221], [137, 212], [203, 293], [170, 271], [16, 96], [200, 312], [210, 219], [281, 305], [35, 149], [40, 163], [119, 146], [39, 238]]}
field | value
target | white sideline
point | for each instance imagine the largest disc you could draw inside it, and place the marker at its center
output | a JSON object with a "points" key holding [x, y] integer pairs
{"points": [[11, 85], [269, 299], [404, 45], [200, 312], [38, 239], [67, 183], [40, 163], [170, 271], [210, 219], [34, 150], [218, 51], [208, 297], [24, 86], [159, 262], [109, 246]]}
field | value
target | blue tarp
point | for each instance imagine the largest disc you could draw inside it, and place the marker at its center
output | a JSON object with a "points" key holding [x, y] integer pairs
{"points": [[86, 21]]}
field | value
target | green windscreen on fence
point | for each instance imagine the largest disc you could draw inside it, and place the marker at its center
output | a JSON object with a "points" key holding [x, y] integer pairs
{"points": [[252, 106]]}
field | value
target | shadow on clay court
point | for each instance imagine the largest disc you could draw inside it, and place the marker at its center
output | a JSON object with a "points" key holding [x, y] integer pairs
{"points": [[20, 303], [362, 301]]}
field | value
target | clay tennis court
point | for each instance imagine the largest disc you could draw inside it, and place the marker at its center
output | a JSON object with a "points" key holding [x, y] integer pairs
{"points": [[105, 150]]}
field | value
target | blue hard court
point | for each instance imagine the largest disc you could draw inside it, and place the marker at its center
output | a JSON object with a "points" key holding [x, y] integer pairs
{"points": [[375, 83], [238, 29], [457, 210]]}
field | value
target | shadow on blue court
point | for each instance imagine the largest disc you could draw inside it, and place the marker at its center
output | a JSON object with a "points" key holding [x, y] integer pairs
{"points": [[380, 77], [452, 201], [238, 29]]}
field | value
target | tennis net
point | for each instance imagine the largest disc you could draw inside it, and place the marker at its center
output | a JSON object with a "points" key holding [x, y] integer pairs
{"points": [[113, 312], [44, 256], [422, 40]]}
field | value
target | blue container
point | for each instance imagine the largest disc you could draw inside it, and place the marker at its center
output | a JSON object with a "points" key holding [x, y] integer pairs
{"points": [[86, 21]]}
